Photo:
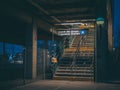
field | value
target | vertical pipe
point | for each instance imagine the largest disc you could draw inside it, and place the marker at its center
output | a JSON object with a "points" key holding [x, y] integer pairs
{"points": [[24, 67], [95, 58], [52, 42], [44, 64]]}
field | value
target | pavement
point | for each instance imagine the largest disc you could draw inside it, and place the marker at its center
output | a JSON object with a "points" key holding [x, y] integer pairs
{"points": [[67, 85]]}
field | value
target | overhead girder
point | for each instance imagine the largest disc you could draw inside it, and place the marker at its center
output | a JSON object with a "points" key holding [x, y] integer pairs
{"points": [[69, 4], [73, 5]]}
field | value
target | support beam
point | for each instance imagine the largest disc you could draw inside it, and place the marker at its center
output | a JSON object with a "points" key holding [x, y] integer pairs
{"points": [[110, 27], [79, 4], [74, 13], [79, 17], [31, 51]]}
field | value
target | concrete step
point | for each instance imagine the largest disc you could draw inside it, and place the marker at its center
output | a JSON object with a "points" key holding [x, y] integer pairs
{"points": [[81, 68], [80, 54], [74, 71], [81, 49], [77, 65], [74, 74], [73, 78]]}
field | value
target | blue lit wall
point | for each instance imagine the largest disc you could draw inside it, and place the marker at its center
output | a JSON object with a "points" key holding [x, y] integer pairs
{"points": [[116, 22], [11, 48]]}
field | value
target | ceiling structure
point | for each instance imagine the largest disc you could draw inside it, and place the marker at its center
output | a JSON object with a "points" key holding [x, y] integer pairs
{"points": [[58, 12], [64, 11], [49, 13]]}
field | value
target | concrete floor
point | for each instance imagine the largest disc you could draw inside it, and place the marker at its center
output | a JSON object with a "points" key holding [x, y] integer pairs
{"points": [[67, 85]]}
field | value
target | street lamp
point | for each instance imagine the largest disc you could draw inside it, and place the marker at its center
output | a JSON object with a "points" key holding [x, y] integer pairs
{"points": [[100, 48], [100, 21]]}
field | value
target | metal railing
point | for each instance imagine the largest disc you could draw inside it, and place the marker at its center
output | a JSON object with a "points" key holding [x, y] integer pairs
{"points": [[77, 52]]}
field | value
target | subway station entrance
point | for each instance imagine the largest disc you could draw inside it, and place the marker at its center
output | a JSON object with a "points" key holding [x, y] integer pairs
{"points": [[76, 60], [55, 40]]}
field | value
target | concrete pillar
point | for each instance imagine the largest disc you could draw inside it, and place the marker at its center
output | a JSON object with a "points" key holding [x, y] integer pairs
{"points": [[31, 51], [110, 27]]}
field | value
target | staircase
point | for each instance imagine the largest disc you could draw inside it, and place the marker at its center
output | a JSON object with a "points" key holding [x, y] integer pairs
{"points": [[77, 66]]}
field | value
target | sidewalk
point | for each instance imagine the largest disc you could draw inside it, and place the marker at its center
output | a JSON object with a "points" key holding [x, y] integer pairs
{"points": [[67, 85]]}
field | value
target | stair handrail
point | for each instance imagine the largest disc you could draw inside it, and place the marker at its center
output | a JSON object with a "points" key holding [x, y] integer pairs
{"points": [[74, 56], [77, 49], [71, 40]]}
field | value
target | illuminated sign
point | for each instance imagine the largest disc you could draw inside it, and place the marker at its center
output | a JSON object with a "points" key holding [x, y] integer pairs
{"points": [[71, 32]]}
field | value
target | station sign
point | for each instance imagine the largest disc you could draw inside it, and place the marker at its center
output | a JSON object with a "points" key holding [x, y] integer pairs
{"points": [[72, 32]]}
